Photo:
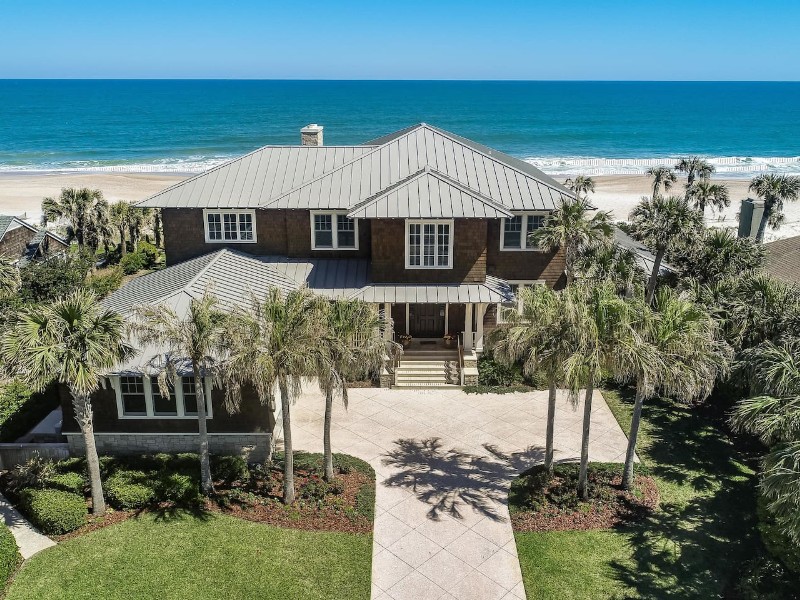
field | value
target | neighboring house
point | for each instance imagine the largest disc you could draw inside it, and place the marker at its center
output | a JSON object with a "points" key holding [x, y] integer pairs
{"points": [[426, 225], [644, 258], [782, 259], [22, 242]]}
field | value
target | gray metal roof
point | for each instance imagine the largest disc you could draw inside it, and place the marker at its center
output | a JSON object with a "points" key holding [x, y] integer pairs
{"points": [[494, 290], [644, 257], [428, 194], [5, 223], [254, 179], [343, 177]]}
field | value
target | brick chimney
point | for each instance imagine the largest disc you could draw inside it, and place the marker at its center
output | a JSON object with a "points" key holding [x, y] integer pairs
{"points": [[750, 217], [311, 135]]}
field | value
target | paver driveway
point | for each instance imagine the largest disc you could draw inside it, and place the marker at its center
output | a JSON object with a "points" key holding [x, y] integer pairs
{"points": [[444, 460]]}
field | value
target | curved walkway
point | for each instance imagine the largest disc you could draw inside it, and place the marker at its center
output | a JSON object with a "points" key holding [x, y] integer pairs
{"points": [[444, 461], [29, 540]]}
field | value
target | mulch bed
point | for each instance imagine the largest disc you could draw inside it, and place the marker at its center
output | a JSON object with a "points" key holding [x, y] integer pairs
{"points": [[553, 506], [112, 517]]}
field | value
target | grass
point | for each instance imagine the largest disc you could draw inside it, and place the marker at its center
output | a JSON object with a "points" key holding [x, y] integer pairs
{"points": [[692, 547], [201, 556]]}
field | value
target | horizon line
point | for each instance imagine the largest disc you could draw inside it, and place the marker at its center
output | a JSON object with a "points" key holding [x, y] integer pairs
{"points": [[399, 80]]}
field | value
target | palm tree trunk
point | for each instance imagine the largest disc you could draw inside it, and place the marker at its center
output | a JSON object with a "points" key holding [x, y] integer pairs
{"points": [[202, 426], [157, 227], [123, 244], [583, 487], [568, 259], [288, 457], [326, 434], [551, 419], [627, 476], [82, 405], [762, 225], [651, 283]]}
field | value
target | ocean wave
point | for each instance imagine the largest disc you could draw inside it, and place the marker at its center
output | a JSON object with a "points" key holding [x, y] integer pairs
{"points": [[727, 166], [195, 164]]}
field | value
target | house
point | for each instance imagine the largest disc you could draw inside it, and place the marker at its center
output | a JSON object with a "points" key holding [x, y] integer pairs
{"points": [[645, 259], [782, 259], [428, 226], [21, 241]]}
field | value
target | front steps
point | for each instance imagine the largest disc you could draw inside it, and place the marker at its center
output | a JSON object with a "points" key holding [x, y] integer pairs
{"points": [[418, 368]]}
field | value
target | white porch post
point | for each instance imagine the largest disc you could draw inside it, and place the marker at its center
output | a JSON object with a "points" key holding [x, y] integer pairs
{"points": [[387, 315], [468, 335], [407, 318], [446, 318], [479, 326]]}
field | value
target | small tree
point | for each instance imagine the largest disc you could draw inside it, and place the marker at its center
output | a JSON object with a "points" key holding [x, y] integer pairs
{"points": [[774, 190], [86, 213], [76, 342], [662, 176], [198, 337], [581, 185], [540, 337], [694, 167], [703, 192], [663, 224], [120, 213], [611, 262], [570, 227]]}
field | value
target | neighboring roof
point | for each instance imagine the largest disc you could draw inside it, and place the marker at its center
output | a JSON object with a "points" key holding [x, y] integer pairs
{"points": [[5, 223], [8, 222], [234, 276], [644, 257], [782, 259], [327, 177], [494, 290], [254, 179]]}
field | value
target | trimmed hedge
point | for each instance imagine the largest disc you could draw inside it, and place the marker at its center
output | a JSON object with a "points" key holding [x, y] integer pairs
{"points": [[129, 490], [54, 512], [68, 482], [133, 262], [9, 555], [229, 469]]}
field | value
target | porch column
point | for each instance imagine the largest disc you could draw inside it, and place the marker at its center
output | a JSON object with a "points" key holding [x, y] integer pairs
{"points": [[481, 311], [447, 318], [387, 314], [407, 318], [468, 335]]}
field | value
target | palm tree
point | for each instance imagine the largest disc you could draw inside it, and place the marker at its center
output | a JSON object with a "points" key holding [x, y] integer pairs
{"points": [[86, 212], [610, 262], [694, 167], [677, 352], [353, 347], [704, 192], [581, 185], [120, 213], [662, 224], [774, 190], [276, 343], [140, 218], [718, 253], [773, 414], [662, 176], [538, 335], [571, 228], [9, 278], [157, 227], [600, 323], [76, 342], [198, 337]]}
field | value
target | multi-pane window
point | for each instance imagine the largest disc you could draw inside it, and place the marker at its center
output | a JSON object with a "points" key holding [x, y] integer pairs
{"points": [[133, 396], [333, 231], [189, 396], [429, 245], [165, 402], [230, 226], [517, 231]]}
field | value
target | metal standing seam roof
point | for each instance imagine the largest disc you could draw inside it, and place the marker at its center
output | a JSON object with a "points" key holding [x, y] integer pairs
{"points": [[494, 290], [342, 177]]}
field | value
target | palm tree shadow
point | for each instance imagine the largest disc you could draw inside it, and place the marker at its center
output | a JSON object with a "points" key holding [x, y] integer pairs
{"points": [[452, 480]]}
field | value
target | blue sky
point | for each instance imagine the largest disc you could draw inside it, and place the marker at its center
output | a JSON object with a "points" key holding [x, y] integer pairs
{"points": [[343, 39]]}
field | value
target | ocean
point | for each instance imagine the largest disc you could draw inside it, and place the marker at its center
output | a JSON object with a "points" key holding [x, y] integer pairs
{"points": [[594, 128]]}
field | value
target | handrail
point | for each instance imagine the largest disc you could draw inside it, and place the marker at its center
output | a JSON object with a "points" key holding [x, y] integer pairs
{"points": [[460, 359]]}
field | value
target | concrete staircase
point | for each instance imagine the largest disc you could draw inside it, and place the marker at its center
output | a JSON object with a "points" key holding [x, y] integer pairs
{"points": [[422, 368]]}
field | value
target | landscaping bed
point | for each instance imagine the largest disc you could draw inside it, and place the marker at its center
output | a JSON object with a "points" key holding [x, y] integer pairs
{"points": [[540, 503]]}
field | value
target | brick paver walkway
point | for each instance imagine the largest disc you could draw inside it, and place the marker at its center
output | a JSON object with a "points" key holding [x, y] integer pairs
{"points": [[444, 460]]}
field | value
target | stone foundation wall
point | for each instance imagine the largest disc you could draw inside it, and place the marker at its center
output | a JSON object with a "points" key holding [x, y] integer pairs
{"points": [[253, 447]]}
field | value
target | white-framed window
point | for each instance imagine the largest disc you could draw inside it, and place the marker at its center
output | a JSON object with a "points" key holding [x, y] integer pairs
{"points": [[230, 226], [516, 286], [514, 231], [429, 244], [332, 230], [140, 397]]}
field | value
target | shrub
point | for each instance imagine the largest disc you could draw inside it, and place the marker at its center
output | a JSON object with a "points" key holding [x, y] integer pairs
{"points": [[229, 469], [183, 489], [775, 540], [365, 501], [133, 262], [68, 482], [766, 579], [44, 281], [130, 489], [21, 408], [9, 555], [150, 253], [31, 474], [495, 373], [106, 281], [54, 512]]}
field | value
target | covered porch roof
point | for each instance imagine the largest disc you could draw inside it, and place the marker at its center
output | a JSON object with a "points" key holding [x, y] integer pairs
{"points": [[492, 291]]}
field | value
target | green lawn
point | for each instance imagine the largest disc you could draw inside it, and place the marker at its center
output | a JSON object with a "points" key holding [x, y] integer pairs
{"points": [[691, 548], [207, 557]]}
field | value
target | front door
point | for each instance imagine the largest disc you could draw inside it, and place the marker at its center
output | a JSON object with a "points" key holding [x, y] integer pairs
{"points": [[426, 320]]}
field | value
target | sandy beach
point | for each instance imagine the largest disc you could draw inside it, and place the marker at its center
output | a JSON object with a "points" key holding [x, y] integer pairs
{"points": [[22, 194]]}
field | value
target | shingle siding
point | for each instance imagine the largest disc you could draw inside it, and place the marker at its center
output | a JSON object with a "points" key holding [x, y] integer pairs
{"points": [[522, 265], [14, 242]]}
